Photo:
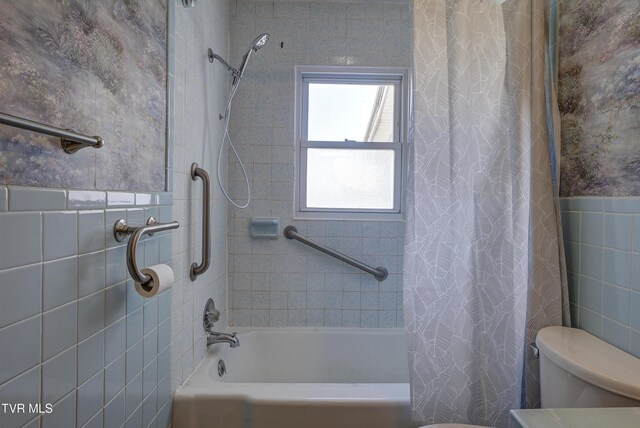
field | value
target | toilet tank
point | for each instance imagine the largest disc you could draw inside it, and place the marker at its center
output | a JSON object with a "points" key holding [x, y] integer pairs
{"points": [[579, 370]]}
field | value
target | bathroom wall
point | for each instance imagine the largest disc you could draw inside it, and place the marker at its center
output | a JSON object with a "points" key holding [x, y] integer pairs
{"points": [[73, 333], [281, 282], [602, 244], [95, 67], [199, 91], [598, 95]]}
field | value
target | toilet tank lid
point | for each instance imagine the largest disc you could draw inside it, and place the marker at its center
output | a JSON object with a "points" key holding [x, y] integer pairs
{"points": [[591, 359]]}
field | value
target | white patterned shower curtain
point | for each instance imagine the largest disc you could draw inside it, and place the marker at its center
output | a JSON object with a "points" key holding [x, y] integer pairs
{"points": [[483, 260]]}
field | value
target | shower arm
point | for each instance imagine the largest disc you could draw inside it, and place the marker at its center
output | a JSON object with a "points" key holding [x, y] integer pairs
{"points": [[212, 56]]}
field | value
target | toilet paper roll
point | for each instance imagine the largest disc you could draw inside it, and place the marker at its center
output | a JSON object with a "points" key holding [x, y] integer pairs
{"points": [[161, 280]]}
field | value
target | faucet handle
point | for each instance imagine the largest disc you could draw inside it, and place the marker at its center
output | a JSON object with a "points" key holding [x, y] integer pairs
{"points": [[211, 315]]}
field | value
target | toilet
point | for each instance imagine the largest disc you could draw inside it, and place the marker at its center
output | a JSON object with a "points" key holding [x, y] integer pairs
{"points": [[578, 370]]}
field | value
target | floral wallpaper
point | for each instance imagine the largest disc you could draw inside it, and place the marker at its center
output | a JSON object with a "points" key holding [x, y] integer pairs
{"points": [[97, 67], [599, 97]]}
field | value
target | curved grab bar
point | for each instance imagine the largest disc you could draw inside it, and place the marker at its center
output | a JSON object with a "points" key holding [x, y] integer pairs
{"points": [[199, 269], [121, 230], [381, 273]]}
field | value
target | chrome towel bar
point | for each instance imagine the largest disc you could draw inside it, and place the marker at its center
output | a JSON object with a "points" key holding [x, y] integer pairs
{"points": [[70, 141], [121, 230], [380, 272], [199, 269]]}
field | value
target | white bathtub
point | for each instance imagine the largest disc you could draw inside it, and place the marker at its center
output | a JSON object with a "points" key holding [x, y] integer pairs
{"points": [[300, 378]]}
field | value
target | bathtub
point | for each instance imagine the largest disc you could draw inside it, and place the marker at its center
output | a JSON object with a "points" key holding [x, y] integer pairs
{"points": [[300, 378]]}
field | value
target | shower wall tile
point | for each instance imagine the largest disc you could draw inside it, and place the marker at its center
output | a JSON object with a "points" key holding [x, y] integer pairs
{"points": [[603, 264], [198, 87], [62, 333], [280, 282], [72, 328]]}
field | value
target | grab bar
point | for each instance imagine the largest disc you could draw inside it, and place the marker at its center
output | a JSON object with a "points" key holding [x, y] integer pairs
{"points": [[121, 230], [380, 272], [70, 141], [199, 269]]}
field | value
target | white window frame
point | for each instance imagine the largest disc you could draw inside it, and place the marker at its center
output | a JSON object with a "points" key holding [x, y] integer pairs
{"points": [[346, 74]]}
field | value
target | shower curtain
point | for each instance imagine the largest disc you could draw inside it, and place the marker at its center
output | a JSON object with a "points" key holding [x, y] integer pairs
{"points": [[483, 259]]}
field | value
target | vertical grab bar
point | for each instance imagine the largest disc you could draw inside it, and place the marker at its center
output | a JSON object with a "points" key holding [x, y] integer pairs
{"points": [[199, 269]]}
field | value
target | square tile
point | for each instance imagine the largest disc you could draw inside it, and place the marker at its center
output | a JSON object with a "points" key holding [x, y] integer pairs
{"points": [[617, 267], [114, 379], [59, 234], [115, 340], [135, 327], [616, 334], [59, 376], [20, 293], [22, 389], [24, 231], [635, 311], [91, 273], [617, 231], [90, 398], [150, 377], [114, 412], [591, 261], [134, 361], [90, 315], [60, 282], [591, 293], [91, 231], [16, 353], [59, 329], [133, 397], [616, 303], [63, 415], [115, 303], [592, 228], [115, 265], [90, 357]]}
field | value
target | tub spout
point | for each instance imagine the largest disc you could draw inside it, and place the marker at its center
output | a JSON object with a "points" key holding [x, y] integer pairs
{"points": [[214, 337]]}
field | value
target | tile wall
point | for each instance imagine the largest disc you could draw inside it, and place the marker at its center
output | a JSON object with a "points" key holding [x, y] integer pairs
{"points": [[199, 91], [602, 244], [73, 332], [281, 282]]}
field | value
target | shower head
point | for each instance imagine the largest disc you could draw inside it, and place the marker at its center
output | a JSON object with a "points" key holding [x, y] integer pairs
{"points": [[260, 41], [237, 73], [257, 43]]}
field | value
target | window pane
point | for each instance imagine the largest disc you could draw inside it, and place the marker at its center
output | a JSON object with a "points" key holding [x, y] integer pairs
{"points": [[356, 112], [342, 178]]}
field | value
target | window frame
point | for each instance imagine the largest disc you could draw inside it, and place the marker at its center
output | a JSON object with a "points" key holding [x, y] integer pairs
{"points": [[348, 74]]}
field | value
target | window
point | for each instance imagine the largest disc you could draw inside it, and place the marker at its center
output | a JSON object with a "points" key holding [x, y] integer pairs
{"points": [[350, 134]]}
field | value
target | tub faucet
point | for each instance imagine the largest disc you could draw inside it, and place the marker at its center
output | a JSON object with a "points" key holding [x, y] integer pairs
{"points": [[214, 337], [210, 316]]}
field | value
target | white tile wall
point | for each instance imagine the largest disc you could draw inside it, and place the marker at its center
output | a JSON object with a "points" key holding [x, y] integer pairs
{"points": [[65, 311], [199, 89], [281, 282]]}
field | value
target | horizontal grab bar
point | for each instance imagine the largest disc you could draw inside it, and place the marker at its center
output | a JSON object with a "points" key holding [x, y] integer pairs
{"points": [[121, 230], [381, 273], [71, 141]]}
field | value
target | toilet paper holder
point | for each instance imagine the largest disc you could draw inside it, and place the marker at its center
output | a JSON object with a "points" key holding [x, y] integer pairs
{"points": [[121, 230]]}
